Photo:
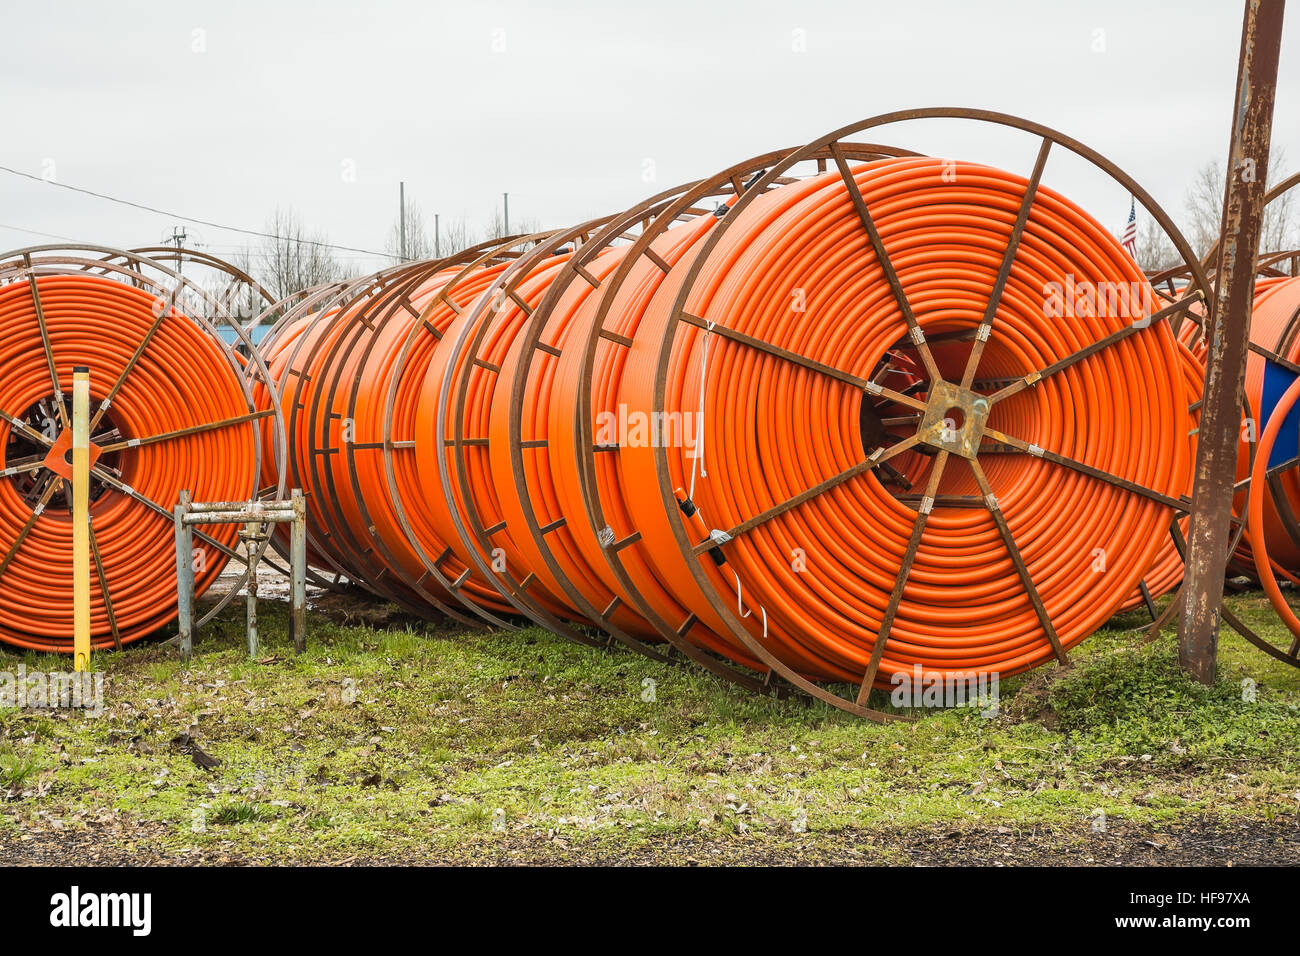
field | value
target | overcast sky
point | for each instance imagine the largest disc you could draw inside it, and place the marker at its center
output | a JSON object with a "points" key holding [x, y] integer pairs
{"points": [[222, 111]]}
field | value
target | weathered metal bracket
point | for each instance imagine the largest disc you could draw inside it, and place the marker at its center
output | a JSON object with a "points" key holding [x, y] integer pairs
{"points": [[255, 516], [954, 419]]}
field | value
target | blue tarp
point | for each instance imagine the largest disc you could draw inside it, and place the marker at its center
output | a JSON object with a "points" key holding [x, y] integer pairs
{"points": [[1276, 381]]}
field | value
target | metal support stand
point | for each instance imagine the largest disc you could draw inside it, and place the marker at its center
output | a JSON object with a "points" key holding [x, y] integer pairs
{"points": [[1209, 533], [256, 517]]}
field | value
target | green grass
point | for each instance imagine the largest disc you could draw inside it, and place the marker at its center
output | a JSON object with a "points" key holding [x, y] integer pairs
{"points": [[412, 742], [16, 770], [231, 813]]}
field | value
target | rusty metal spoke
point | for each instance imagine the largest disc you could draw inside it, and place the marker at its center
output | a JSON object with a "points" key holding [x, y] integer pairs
{"points": [[904, 572], [794, 358], [886, 264], [875, 460], [123, 488], [1013, 552], [186, 432], [50, 488], [27, 430], [1285, 466], [1025, 447], [131, 363], [1008, 259], [26, 467], [50, 364], [1033, 378], [103, 586]]}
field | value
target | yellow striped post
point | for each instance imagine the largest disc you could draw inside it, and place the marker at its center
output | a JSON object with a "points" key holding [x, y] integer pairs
{"points": [[81, 518]]}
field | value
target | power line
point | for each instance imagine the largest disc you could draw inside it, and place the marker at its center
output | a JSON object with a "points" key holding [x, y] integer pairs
{"points": [[37, 232], [176, 215], [198, 245]]}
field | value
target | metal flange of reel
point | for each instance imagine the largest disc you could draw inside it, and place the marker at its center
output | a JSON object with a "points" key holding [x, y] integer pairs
{"points": [[695, 551], [497, 304], [358, 314], [386, 312], [243, 297], [315, 323], [176, 299], [654, 218], [583, 244], [458, 294]]}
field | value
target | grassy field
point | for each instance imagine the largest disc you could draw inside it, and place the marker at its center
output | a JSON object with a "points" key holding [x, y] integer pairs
{"points": [[408, 743]]}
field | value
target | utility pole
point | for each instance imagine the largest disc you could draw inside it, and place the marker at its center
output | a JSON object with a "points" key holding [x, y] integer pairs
{"points": [[437, 242], [1209, 531], [178, 239], [401, 218], [506, 224]]}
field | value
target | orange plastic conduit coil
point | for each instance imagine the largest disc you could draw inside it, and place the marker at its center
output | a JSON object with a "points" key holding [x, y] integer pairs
{"points": [[344, 453], [499, 323], [335, 366], [814, 582], [774, 430], [552, 480], [615, 424], [419, 482], [1167, 572], [182, 379]]}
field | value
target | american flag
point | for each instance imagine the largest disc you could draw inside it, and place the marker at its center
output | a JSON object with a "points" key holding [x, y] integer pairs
{"points": [[1130, 238]]}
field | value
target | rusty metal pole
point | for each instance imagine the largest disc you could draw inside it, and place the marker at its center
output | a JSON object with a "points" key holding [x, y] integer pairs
{"points": [[1216, 454]]}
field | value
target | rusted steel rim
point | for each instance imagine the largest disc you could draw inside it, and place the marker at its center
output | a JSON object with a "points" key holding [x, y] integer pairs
{"points": [[1212, 255], [353, 334], [328, 304], [594, 239], [482, 256], [317, 305], [585, 242], [724, 607], [278, 316], [474, 535], [658, 215], [170, 287], [241, 278], [1265, 263], [398, 296]]}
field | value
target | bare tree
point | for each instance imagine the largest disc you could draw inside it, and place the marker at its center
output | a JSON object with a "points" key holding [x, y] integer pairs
{"points": [[1155, 250], [417, 245], [1204, 205], [295, 259], [242, 300], [496, 227], [455, 235]]}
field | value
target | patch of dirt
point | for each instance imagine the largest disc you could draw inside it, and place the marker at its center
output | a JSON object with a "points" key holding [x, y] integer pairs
{"points": [[1032, 702], [356, 608], [351, 605], [1186, 844]]}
